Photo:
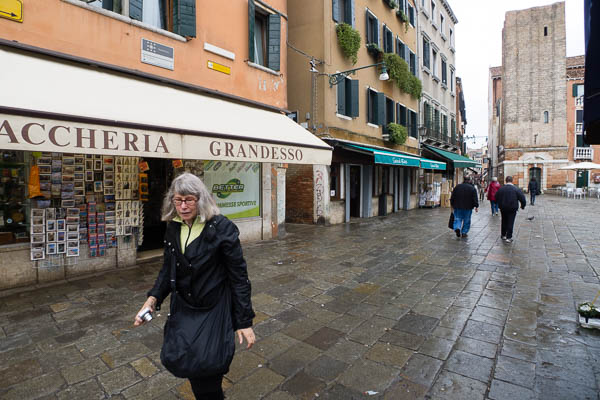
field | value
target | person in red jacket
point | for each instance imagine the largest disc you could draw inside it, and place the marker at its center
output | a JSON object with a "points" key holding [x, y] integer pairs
{"points": [[491, 194]]}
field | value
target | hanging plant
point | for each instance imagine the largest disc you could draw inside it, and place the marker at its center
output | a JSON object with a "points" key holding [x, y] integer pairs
{"points": [[391, 3], [397, 133], [400, 74], [374, 50], [349, 40], [416, 87], [404, 18]]}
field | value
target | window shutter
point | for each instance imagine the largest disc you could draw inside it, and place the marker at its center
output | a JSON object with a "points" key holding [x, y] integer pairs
{"points": [[580, 142], [406, 54], [273, 52], [107, 4], [377, 35], [335, 10], [251, 49], [380, 109], [384, 38], [350, 12], [184, 17], [135, 9], [574, 90], [415, 132], [341, 97], [403, 120], [401, 5], [352, 98]]}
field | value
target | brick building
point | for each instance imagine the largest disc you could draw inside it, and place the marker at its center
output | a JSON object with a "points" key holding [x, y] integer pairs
{"points": [[494, 118], [532, 139]]}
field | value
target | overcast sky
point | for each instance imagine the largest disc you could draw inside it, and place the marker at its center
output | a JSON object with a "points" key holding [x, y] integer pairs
{"points": [[479, 47]]}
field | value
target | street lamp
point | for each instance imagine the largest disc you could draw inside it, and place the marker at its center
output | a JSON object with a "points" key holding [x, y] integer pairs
{"points": [[338, 77]]}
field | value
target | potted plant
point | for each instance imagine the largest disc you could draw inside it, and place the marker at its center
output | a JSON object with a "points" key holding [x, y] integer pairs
{"points": [[349, 40], [404, 18], [397, 133], [374, 50], [589, 315], [391, 3]]}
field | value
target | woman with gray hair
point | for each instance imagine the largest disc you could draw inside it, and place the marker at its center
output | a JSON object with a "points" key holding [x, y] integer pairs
{"points": [[205, 272]]}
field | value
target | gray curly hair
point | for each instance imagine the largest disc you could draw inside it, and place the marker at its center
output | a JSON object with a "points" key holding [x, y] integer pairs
{"points": [[189, 184]]}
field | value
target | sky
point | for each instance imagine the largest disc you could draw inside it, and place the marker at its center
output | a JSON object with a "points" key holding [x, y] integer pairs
{"points": [[479, 47]]}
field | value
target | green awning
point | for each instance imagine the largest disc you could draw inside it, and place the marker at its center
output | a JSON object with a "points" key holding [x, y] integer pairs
{"points": [[457, 160], [389, 157], [431, 164]]}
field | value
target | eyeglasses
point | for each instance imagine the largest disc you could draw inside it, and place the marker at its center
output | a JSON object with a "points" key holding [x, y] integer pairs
{"points": [[190, 201]]}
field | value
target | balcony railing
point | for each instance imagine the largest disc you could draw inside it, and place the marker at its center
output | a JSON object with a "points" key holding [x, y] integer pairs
{"points": [[579, 101], [434, 135], [584, 153], [578, 127]]}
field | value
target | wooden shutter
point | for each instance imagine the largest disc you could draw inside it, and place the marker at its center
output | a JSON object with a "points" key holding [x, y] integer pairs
{"points": [[251, 16], [574, 90], [135, 9], [335, 10], [352, 98], [273, 51], [580, 142], [380, 109], [184, 17], [401, 5], [341, 97], [377, 35], [350, 12]]}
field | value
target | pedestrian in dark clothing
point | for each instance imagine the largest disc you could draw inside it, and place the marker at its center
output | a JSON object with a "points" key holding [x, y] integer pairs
{"points": [[463, 200], [491, 190], [533, 189], [508, 197], [205, 272]]}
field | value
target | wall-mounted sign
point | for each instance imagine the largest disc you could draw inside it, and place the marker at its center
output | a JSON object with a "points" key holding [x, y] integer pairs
{"points": [[11, 9], [235, 187], [158, 54], [219, 67]]}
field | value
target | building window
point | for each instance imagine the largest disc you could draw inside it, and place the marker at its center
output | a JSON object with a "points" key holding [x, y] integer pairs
{"points": [[376, 107], [265, 37], [388, 40], [372, 28], [444, 73], [389, 113], [347, 97], [411, 15], [401, 117], [451, 35], [432, 10], [434, 62], [545, 31], [546, 117], [451, 80], [579, 116], [436, 122], [445, 127], [412, 63], [442, 26], [400, 48], [426, 52], [343, 12], [577, 90], [412, 124]]}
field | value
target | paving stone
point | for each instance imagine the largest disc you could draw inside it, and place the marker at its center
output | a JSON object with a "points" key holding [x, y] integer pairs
{"points": [[144, 367], [454, 386], [273, 345], [403, 339], [347, 350], [279, 395], [416, 324], [244, 362], [303, 386], [489, 315], [124, 354], [302, 328], [89, 389], [117, 380], [477, 347], [515, 371], [371, 330], [294, 359], [19, 372], [507, 391], [35, 388], [482, 331], [154, 387], [366, 375], [555, 388], [338, 391], [436, 347], [83, 371], [324, 338], [345, 323], [421, 369], [255, 386], [470, 365], [325, 368], [389, 354], [405, 390]]}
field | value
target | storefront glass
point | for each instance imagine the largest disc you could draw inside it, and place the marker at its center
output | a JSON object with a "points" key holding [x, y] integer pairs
{"points": [[14, 205]]}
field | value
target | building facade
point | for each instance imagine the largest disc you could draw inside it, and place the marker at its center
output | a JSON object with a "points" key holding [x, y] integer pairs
{"points": [[532, 139], [370, 174], [494, 119], [108, 101], [579, 151]]}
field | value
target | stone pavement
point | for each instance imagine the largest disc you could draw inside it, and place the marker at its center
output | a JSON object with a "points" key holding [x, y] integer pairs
{"points": [[394, 305]]}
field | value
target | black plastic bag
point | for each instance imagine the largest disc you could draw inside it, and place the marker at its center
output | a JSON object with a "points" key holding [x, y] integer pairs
{"points": [[451, 221]]}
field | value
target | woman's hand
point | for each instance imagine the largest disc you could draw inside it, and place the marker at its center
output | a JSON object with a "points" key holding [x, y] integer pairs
{"points": [[247, 334], [151, 304]]}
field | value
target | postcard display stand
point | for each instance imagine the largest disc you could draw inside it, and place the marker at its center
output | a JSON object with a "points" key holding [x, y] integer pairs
{"points": [[85, 199]]}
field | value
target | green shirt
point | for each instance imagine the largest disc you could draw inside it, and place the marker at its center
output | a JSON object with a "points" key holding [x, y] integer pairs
{"points": [[188, 235]]}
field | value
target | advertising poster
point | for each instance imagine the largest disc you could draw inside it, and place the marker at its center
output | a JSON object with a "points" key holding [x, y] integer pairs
{"points": [[235, 186]]}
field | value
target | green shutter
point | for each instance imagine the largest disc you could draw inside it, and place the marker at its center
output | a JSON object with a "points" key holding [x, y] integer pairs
{"points": [[352, 98], [273, 52], [580, 142], [135, 9], [251, 16], [335, 10], [574, 90], [380, 109], [341, 97], [377, 35], [184, 17], [350, 12]]}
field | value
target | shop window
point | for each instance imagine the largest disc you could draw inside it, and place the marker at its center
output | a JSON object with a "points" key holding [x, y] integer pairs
{"points": [[264, 33], [14, 205], [334, 181]]}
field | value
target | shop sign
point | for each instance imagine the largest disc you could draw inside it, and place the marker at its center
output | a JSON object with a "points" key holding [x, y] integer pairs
{"points": [[235, 187], [157, 54]]}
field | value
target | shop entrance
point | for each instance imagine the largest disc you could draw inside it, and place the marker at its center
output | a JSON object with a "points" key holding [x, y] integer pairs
{"points": [[535, 172], [355, 173], [582, 178], [160, 176]]}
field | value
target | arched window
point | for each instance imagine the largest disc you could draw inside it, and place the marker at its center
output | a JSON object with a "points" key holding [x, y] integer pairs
{"points": [[546, 117]]}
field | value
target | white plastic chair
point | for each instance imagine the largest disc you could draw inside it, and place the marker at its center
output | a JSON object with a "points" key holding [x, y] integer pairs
{"points": [[570, 192], [578, 193]]}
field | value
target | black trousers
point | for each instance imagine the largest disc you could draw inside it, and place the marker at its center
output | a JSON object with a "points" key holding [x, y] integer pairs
{"points": [[209, 388], [508, 222]]}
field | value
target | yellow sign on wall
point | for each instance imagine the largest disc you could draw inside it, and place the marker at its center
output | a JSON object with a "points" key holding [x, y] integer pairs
{"points": [[218, 67], [12, 9]]}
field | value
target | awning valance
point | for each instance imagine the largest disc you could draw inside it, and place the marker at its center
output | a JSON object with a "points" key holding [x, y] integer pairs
{"points": [[387, 157], [456, 159], [432, 164], [53, 105]]}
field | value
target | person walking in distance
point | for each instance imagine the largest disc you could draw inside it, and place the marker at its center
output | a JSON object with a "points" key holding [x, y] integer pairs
{"points": [[508, 198], [533, 189], [491, 194], [463, 200]]}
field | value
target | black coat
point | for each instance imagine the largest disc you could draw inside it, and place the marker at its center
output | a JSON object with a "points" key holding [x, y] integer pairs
{"points": [[464, 197], [212, 267], [533, 187], [508, 197]]}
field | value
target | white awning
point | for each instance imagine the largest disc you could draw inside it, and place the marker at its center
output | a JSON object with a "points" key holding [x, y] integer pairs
{"points": [[72, 108]]}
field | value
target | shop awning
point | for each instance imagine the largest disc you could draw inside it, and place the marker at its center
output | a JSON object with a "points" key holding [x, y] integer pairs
{"points": [[49, 104], [432, 164], [456, 159], [386, 157]]}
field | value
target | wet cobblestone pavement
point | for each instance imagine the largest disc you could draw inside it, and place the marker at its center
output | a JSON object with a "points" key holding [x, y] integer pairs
{"points": [[397, 306]]}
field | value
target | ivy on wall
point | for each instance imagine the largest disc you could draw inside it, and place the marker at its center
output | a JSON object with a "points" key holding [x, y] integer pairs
{"points": [[349, 40], [399, 73], [397, 133]]}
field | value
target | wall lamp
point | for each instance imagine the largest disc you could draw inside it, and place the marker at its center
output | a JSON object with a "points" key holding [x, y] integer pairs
{"points": [[338, 77]]}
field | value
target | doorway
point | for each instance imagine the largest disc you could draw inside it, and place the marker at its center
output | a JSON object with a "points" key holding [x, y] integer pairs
{"points": [[536, 172], [160, 176], [355, 185], [582, 178]]}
